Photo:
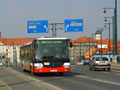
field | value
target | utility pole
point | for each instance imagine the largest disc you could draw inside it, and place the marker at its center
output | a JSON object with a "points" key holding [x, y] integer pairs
{"points": [[92, 43], [101, 42], [80, 51], [89, 48], [113, 20], [109, 39], [115, 27], [115, 13]]}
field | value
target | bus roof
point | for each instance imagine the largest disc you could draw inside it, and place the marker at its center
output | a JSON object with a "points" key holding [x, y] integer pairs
{"points": [[42, 38], [51, 38]]}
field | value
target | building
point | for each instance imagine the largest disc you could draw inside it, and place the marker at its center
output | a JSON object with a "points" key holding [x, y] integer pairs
{"points": [[106, 48], [10, 49], [98, 35], [82, 47]]}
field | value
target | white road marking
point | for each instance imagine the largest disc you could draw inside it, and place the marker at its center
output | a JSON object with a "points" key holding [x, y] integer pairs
{"points": [[106, 72], [103, 81], [116, 71], [117, 74], [5, 84]]}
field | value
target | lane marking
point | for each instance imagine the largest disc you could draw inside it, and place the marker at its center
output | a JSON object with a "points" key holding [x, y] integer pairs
{"points": [[104, 81], [116, 71], [108, 82], [106, 72], [117, 74], [5, 84]]}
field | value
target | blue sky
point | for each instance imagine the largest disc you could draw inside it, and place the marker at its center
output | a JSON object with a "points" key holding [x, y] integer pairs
{"points": [[14, 15]]}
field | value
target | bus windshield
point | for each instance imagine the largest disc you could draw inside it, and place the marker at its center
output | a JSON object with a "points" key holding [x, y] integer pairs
{"points": [[52, 50]]}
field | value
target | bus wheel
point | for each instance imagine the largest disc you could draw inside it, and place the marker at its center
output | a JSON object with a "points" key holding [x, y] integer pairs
{"points": [[32, 72], [61, 73]]}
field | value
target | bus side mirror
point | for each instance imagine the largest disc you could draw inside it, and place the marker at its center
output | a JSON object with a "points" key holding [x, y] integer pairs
{"points": [[71, 45]]}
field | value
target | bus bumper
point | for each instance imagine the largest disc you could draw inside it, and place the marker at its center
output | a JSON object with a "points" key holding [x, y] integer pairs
{"points": [[52, 70]]}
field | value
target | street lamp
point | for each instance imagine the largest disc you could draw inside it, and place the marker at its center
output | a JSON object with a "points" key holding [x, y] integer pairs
{"points": [[80, 51], [89, 48], [115, 24], [101, 40], [92, 42], [109, 28], [109, 32], [109, 35]]}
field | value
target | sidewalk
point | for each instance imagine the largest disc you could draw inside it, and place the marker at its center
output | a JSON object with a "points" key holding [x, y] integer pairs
{"points": [[115, 66], [11, 79]]}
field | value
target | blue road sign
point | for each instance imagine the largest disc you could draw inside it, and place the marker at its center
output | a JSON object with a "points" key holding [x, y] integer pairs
{"points": [[37, 26], [73, 25]]}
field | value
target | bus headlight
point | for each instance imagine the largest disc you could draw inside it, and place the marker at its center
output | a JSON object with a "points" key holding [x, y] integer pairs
{"points": [[66, 65], [39, 65]]}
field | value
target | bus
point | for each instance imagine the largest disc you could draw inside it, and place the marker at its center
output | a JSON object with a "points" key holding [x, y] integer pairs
{"points": [[46, 55]]}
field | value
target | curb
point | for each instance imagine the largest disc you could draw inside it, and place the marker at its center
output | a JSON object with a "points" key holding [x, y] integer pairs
{"points": [[115, 69], [36, 82]]}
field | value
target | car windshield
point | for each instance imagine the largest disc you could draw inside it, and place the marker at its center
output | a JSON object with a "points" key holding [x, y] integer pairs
{"points": [[101, 59]]}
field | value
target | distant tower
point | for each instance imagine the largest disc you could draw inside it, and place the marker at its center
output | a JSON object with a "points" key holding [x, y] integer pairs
{"points": [[98, 34]]}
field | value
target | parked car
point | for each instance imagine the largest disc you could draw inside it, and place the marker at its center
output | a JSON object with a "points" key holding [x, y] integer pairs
{"points": [[86, 61], [100, 63]]}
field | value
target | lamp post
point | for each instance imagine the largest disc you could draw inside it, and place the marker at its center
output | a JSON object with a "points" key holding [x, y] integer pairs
{"points": [[89, 48], [109, 29], [80, 51], [101, 30], [109, 36], [115, 25], [92, 42]]}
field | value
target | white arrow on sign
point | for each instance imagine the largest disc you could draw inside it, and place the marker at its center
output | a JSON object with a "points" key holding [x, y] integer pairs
{"points": [[66, 27], [46, 28]]}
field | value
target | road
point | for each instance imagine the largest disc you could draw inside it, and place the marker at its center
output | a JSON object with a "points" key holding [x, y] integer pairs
{"points": [[79, 78]]}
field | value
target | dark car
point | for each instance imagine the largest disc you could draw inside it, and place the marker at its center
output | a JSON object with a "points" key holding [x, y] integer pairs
{"points": [[100, 63], [86, 61]]}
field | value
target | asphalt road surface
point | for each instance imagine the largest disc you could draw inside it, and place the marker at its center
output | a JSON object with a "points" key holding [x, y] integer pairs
{"points": [[80, 78]]}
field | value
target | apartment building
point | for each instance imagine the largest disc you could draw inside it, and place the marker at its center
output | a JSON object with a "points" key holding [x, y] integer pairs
{"points": [[81, 47], [10, 49]]}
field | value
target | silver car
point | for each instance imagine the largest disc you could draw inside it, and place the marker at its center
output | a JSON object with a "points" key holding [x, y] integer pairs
{"points": [[100, 63]]}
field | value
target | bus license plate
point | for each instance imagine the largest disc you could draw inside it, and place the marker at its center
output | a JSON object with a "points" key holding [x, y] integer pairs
{"points": [[53, 70]]}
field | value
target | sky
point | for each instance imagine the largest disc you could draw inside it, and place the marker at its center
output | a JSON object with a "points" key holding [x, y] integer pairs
{"points": [[14, 15]]}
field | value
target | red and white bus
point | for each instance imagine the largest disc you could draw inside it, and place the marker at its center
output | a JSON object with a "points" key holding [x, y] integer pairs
{"points": [[46, 55]]}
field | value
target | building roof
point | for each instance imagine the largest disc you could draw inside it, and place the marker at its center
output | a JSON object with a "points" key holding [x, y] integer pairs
{"points": [[85, 39], [15, 41], [105, 41]]}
